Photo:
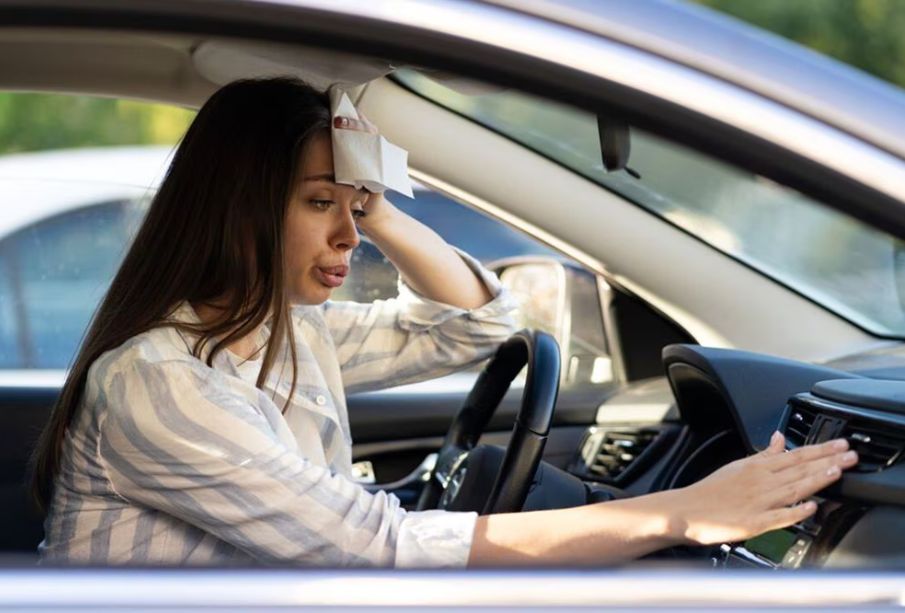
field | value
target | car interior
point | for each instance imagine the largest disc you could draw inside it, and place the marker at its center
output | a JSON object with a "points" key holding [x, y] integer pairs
{"points": [[702, 346]]}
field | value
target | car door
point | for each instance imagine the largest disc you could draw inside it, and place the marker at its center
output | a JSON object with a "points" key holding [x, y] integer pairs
{"points": [[594, 72], [624, 66]]}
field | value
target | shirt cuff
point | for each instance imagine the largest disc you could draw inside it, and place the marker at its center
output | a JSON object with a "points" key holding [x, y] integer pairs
{"points": [[425, 312], [435, 539]]}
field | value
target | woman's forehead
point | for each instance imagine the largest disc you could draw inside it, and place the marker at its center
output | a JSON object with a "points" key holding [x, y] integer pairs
{"points": [[317, 160]]}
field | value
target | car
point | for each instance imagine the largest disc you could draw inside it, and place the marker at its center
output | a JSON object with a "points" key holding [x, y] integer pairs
{"points": [[732, 208]]}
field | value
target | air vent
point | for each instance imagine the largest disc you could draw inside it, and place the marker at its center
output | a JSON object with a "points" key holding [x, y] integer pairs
{"points": [[610, 454], [801, 418], [878, 445]]}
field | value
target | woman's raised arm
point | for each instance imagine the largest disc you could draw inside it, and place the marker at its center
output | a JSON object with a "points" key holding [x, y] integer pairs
{"points": [[426, 262]]}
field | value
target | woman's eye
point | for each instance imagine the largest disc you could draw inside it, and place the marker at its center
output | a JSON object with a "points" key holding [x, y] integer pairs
{"points": [[323, 205], [359, 213]]}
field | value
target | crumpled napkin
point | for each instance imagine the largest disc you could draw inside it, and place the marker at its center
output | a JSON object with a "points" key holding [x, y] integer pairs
{"points": [[366, 160]]}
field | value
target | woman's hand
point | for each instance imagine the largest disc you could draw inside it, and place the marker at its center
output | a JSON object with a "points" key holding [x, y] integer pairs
{"points": [[424, 260], [760, 493], [740, 500], [362, 124], [377, 207]]}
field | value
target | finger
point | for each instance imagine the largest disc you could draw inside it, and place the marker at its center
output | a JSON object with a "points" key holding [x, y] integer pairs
{"points": [[373, 199], [777, 444], [806, 453], [780, 518], [347, 123], [821, 475], [843, 460]]}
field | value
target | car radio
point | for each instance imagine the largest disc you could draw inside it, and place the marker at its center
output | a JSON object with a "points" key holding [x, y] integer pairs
{"points": [[785, 548], [788, 547]]}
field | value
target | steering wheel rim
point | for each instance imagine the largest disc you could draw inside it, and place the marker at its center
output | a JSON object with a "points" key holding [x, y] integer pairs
{"points": [[540, 352]]}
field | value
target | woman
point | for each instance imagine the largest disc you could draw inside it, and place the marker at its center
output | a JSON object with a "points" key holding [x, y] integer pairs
{"points": [[204, 420]]}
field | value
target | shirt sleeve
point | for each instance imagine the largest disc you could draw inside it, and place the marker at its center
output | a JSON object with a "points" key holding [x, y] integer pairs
{"points": [[172, 440], [413, 338]]}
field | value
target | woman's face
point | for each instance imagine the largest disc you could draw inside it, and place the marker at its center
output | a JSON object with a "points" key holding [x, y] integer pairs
{"points": [[320, 226]]}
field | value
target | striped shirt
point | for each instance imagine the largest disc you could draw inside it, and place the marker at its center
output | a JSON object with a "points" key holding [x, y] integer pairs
{"points": [[168, 461]]}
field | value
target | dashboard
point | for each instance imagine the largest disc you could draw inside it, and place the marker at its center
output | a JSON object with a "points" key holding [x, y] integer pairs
{"points": [[718, 405]]}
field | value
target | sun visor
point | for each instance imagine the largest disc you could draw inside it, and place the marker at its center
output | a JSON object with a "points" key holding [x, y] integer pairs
{"points": [[223, 61]]}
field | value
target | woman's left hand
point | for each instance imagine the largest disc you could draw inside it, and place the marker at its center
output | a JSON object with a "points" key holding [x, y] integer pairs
{"points": [[362, 124], [377, 207]]}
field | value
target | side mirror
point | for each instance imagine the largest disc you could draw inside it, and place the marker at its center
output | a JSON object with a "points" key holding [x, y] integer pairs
{"points": [[540, 289], [565, 301]]}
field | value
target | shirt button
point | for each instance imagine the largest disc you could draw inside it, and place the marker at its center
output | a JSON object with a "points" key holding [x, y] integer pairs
{"points": [[320, 400]]}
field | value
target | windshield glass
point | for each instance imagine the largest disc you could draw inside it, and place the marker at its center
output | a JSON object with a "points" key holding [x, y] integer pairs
{"points": [[832, 259]]}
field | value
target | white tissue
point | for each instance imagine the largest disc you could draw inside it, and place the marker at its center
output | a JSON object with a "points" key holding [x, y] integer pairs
{"points": [[366, 160]]}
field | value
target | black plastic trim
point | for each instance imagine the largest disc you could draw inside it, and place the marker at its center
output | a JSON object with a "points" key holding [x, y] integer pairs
{"points": [[883, 487], [715, 388]]}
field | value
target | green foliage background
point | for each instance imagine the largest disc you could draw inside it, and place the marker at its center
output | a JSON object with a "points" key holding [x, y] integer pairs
{"points": [[868, 34], [36, 122]]}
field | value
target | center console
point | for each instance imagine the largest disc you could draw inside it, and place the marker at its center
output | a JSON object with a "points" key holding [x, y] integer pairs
{"points": [[808, 543]]}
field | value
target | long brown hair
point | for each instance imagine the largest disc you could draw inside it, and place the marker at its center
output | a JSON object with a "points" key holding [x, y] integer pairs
{"points": [[214, 231]]}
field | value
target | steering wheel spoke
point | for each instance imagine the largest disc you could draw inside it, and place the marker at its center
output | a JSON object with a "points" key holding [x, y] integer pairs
{"points": [[449, 460]]}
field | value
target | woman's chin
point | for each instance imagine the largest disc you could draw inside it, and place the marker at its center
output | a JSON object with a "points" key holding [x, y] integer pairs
{"points": [[311, 295]]}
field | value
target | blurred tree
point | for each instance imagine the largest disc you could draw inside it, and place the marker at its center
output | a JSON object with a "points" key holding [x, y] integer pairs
{"points": [[868, 34], [34, 122]]}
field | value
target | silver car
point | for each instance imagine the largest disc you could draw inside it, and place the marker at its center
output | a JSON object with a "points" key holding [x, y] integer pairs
{"points": [[725, 213]]}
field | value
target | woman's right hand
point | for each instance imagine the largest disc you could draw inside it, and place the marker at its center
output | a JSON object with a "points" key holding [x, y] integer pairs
{"points": [[740, 500], [759, 493]]}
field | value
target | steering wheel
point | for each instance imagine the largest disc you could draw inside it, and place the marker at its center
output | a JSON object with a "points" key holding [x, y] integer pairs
{"points": [[463, 476]]}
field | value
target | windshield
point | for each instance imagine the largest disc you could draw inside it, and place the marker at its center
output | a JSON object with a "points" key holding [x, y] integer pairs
{"points": [[834, 260]]}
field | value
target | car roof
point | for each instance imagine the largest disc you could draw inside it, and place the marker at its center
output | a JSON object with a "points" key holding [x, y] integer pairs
{"points": [[134, 166], [51, 182], [722, 46]]}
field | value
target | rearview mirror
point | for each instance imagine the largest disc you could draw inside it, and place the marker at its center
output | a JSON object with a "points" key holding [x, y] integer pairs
{"points": [[615, 144]]}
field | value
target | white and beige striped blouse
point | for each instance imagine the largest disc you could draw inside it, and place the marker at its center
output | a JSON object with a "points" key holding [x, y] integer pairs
{"points": [[169, 461]]}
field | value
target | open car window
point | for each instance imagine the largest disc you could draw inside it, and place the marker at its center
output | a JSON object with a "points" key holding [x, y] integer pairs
{"points": [[834, 260]]}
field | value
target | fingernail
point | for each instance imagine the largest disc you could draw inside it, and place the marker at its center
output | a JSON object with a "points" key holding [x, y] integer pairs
{"points": [[833, 471], [849, 456], [840, 444], [775, 437]]}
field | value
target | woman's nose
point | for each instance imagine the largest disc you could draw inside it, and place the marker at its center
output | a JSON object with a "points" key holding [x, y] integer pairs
{"points": [[345, 235]]}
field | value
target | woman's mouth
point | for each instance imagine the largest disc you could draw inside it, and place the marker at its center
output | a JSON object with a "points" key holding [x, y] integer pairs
{"points": [[331, 276]]}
